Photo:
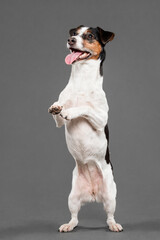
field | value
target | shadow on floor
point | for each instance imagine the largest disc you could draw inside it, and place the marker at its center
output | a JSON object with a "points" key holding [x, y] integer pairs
{"points": [[85, 228], [52, 228], [147, 226]]}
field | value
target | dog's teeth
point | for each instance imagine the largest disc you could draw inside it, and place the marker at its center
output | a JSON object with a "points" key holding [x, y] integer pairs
{"points": [[84, 55]]}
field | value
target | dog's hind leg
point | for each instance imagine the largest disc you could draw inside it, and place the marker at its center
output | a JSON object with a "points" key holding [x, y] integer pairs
{"points": [[74, 204], [109, 203], [74, 207]]}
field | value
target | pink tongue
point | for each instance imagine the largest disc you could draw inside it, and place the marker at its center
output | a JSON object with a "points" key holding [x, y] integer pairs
{"points": [[70, 58]]}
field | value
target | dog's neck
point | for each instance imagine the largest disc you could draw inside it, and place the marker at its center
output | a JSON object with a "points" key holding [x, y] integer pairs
{"points": [[86, 75]]}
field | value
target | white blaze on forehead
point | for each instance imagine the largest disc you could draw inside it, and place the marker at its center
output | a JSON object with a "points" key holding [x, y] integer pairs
{"points": [[82, 30], [79, 42], [78, 45]]}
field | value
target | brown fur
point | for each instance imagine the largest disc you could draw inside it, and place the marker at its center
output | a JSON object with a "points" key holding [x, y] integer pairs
{"points": [[95, 47]]}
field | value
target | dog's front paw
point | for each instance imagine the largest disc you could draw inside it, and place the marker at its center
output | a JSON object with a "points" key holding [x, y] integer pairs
{"points": [[66, 114], [55, 109], [70, 113]]}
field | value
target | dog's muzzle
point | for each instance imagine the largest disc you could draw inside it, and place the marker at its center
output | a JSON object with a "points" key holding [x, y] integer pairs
{"points": [[72, 41]]}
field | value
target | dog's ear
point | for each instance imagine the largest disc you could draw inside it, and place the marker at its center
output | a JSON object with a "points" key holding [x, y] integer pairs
{"points": [[105, 36], [74, 30]]}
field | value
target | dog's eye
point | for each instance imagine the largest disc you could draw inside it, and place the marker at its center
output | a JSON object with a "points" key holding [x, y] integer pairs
{"points": [[90, 36], [74, 34]]}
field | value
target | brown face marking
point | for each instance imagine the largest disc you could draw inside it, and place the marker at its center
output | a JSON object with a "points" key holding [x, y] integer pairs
{"points": [[92, 44]]}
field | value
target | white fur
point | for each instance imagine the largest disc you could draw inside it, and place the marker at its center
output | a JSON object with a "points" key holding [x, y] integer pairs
{"points": [[82, 30], [79, 40], [86, 110]]}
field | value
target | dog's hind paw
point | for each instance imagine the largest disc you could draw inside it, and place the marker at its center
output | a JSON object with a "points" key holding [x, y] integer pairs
{"points": [[115, 227], [66, 227]]}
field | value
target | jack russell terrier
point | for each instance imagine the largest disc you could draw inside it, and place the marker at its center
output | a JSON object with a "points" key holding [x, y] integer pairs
{"points": [[82, 107]]}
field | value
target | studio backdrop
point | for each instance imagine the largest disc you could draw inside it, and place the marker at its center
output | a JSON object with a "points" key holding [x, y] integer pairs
{"points": [[35, 165]]}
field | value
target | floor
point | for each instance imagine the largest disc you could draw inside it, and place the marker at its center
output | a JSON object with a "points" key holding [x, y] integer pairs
{"points": [[47, 230]]}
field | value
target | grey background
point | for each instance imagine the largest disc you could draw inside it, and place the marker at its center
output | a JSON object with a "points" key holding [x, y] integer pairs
{"points": [[35, 166]]}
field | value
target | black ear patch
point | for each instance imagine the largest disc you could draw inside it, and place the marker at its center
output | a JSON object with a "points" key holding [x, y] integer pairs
{"points": [[73, 31], [105, 36]]}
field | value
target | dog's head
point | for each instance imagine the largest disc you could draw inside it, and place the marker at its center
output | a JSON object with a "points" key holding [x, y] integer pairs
{"points": [[87, 43]]}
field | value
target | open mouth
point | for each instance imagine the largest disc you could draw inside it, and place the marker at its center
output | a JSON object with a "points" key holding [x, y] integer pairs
{"points": [[76, 55]]}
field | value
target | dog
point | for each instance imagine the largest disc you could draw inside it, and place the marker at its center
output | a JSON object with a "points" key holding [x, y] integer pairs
{"points": [[82, 107]]}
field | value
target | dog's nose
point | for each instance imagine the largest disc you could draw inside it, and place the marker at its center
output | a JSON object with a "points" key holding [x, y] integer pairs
{"points": [[71, 41]]}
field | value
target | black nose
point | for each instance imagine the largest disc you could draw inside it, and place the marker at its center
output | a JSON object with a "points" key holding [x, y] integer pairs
{"points": [[71, 41]]}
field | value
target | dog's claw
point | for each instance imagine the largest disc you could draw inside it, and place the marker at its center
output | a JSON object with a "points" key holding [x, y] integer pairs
{"points": [[115, 227], [68, 227], [64, 117]]}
